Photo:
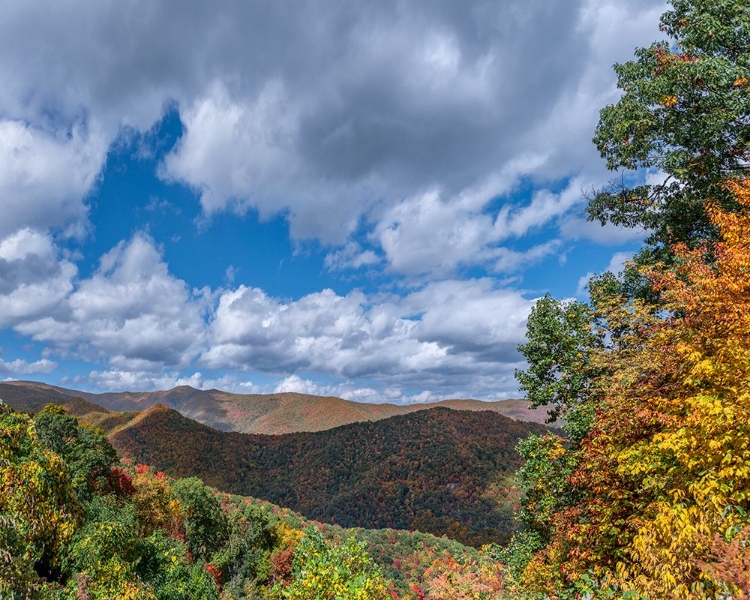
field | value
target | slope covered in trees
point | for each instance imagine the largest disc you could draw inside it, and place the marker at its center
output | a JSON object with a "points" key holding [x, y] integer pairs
{"points": [[75, 523], [439, 471]]}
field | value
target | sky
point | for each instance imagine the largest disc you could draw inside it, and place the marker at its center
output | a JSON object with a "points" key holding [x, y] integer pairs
{"points": [[350, 198]]}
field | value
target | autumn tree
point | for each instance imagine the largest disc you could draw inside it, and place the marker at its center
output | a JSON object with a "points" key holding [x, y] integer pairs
{"points": [[665, 473], [38, 508], [684, 112], [470, 579], [325, 571], [155, 502]]}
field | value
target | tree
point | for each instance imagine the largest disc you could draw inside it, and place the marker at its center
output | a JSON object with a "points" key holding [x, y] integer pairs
{"points": [[155, 502], [471, 579], [322, 571], [206, 528], [87, 453], [38, 509], [560, 342], [685, 111], [664, 475], [245, 559]]}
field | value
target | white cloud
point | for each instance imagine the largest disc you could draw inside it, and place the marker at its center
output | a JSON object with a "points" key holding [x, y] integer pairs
{"points": [[34, 280], [443, 336], [131, 309], [294, 383], [427, 233], [617, 262], [323, 116], [22, 367], [517, 221], [44, 176], [394, 116], [351, 256], [216, 127], [430, 234]]}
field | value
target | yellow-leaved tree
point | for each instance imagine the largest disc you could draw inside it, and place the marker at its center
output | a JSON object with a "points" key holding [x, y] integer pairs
{"points": [[38, 509], [665, 471], [698, 390]]}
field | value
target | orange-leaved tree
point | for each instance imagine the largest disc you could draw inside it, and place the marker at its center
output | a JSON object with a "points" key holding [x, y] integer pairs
{"points": [[665, 471]]}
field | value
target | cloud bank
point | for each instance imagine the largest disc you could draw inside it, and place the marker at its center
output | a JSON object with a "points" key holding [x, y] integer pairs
{"points": [[394, 134]]}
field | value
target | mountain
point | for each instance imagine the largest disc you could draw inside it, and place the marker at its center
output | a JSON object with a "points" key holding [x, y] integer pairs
{"points": [[439, 471], [31, 397], [252, 413]]}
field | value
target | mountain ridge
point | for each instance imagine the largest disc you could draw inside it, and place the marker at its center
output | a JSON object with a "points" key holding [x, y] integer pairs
{"points": [[285, 412], [438, 471]]}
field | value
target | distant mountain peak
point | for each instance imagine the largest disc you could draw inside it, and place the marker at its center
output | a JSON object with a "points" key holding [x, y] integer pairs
{"points": [[278, 413]]}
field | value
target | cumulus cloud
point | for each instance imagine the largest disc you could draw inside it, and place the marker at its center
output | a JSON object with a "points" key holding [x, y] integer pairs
{"points": [[395, 115], [34, 280], [147, 327], [44, 176], [23, 367], [351, 256], [404, 126], [431, 234], [445, 335], [132, 311], [323, 113]]}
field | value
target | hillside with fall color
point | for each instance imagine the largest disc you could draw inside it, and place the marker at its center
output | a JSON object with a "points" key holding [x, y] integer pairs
{"points": [[440, 471], [286, 412], [79, 523]]}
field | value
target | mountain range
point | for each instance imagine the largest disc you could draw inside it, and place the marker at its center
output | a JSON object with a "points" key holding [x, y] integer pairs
{"points": [[286, 412], [439, 471]]}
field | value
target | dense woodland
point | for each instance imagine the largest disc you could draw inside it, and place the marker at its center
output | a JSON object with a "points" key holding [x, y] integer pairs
{"points": [[77, 522], [645, 496], [439, 471]]}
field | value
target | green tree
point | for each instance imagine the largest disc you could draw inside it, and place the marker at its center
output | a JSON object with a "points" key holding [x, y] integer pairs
{"points": [[685, 111], [245, 560], [332, 572], [206, 528], [87, 453], [560, 342]]}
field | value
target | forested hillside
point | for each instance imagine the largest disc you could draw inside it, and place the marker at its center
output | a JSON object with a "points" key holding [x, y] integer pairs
{"points": [[439, 471], [76, 523]]}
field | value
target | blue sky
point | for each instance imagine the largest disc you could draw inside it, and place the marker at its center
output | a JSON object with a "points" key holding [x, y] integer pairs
{"points": [[358, 199]]}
